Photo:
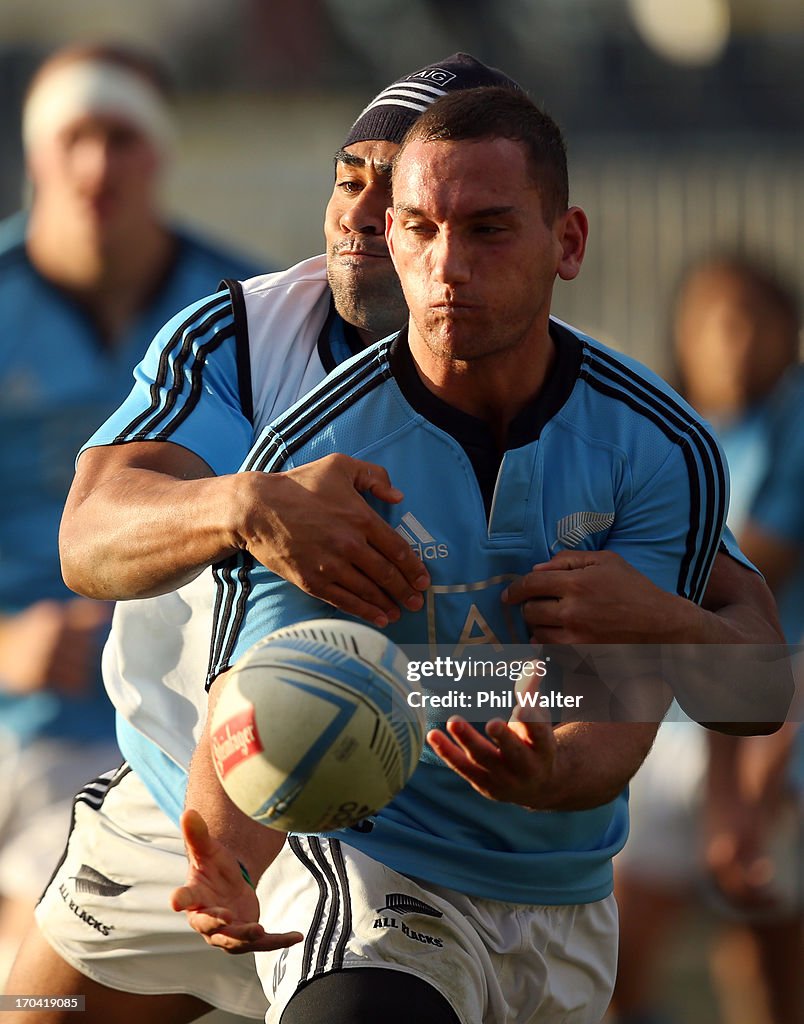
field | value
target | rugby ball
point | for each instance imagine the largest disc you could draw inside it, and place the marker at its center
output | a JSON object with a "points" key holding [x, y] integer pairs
{"points": [[313, 730]]}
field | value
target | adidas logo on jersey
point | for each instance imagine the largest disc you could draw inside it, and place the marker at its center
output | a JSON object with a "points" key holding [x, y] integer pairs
{"points": [[422, 542]]}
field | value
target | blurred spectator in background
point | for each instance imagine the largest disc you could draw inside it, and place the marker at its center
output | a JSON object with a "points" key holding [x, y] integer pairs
{"points": [[87, 276], [714, 813]]}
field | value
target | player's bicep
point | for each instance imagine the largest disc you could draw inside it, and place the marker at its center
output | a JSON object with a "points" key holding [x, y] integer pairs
{"points": [[98, 466]]}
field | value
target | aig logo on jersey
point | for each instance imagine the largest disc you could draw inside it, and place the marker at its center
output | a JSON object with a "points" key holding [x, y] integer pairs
{"points": [[421, 540]]}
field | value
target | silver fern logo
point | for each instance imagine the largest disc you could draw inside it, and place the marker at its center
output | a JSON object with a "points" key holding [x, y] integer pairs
{"points": [[573, 529], [401, 903], [90, 880]]}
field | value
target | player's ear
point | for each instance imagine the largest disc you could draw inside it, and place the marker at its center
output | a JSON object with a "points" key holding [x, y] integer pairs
{"points": [[389, 231], [573, 231]]}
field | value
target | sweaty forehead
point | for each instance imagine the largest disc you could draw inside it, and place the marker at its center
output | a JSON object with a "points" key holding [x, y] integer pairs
{"points": [[448, 170]]}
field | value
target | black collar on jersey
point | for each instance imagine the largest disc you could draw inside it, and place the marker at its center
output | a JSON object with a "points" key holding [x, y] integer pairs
{"points": [[526, 425], [337, 339], [473, 434]]}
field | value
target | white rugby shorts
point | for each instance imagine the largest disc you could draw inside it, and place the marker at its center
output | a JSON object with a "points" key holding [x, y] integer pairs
{"points": [[492, 961], [106, 910]]}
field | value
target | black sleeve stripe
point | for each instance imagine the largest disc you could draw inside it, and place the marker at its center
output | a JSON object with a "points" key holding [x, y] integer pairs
{"points": [[317, 411], [695, 496], [691, 425], [243, 351], [216, 613], [196, 387], [173, 357], [264, 460], [329, 391], [710, 458], [705, 473], [231, 577]]}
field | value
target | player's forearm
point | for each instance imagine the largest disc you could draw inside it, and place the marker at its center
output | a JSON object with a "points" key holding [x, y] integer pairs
{"points": [[254, 845], [594, 762], [746, 615], [734, 676]]}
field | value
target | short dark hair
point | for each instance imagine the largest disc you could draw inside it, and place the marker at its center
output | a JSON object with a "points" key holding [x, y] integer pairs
{"points": [[492, 112]]}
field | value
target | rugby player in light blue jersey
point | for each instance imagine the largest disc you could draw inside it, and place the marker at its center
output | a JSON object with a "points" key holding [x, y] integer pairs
{"points": [[105, 926], [145, 514], [498, 425]]}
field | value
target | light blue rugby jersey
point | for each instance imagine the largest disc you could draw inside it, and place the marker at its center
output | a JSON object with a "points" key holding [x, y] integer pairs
{"points": [[604, 436], [192, 387], [59, 380]]}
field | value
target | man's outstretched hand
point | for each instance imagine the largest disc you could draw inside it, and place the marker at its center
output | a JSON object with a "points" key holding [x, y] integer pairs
{"points": [[219, 903]]}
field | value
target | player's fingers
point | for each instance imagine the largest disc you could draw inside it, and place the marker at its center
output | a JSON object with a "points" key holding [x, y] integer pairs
{"points": [[209, 920], [542, 613], [400, 554], [379, 613], [518, 748], [455, 759], [529, 736], [368, 476], [252, 939], [388, 578], [534, 586], [507, 742], [448, 751], [474, 744], [493, 782], [527, 711], [276, 940], [237, 940], [564, 560]]}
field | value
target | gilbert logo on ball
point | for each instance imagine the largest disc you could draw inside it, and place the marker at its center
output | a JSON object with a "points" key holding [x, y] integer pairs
{"points": [[313, 731]]}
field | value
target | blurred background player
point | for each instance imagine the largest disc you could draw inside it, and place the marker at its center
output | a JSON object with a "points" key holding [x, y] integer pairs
{"points": [[712, 809], [88, 275]]}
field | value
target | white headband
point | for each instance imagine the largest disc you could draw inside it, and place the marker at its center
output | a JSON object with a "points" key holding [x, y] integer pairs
{"points": [[95, 87]]}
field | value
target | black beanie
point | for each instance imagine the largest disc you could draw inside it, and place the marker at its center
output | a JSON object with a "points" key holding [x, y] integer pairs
{"points": [[393, 111]]}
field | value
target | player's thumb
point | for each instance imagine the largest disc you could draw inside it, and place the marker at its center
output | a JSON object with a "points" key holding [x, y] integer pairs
{"points": [[195, 834]]}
